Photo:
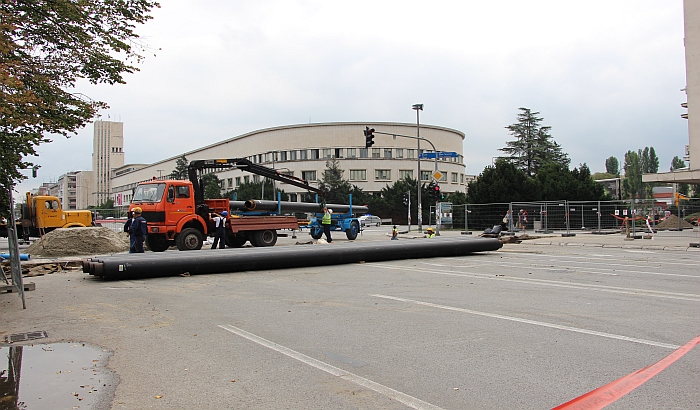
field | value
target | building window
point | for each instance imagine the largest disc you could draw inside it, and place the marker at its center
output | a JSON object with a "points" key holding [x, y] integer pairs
{"points": [[339, 153], [267, 157], [292, 155], [308, 175], [410, 153], [260, 158], [382, 174], [358, 175], [405, 173], [230, 183], [283, 155], [399, 152], [292, 197], [425, 175], [238, 181], [444, 176], [246, 179], [326, 153], [376, 153], [364, 153], [256, 179], [352, 153], [387, 153], [461, 178], [314, 154], [303, 154], [454, 177]]}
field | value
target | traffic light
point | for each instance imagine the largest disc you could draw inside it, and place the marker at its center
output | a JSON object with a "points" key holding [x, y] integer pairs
{"points": [[431, 190], [405, 199], [438, 194], [369, 137]]}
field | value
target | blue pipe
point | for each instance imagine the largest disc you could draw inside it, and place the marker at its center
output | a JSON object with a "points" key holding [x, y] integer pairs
{"points": [[22, 256]]}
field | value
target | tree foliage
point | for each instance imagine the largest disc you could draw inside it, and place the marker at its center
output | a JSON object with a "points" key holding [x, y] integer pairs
{"points": [[612, 166], [254, 190], [678, 163], [533, 146], [337, 190], [212, 186], [46, 47], [632, 183], [180, 171], [504, 182]]}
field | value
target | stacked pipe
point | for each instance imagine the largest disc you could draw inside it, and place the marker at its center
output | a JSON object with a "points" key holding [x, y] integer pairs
{"points": [[131, 266], [259, 205]]}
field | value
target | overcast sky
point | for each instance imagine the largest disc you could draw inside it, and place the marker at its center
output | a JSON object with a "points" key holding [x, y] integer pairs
{"points": [[606, 75]]}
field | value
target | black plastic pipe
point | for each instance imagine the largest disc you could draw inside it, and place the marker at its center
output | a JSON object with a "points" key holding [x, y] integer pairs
{"points": [[259, 205], [132, 266]]}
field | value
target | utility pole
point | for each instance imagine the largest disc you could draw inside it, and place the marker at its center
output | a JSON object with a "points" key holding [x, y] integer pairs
{"points": [[419, 108]]}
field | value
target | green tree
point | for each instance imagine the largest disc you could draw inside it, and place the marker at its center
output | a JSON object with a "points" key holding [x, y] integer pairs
{"points": [[632, 183], [678, 163], [253, 190], [612, 166], [46, 47], [337, 190], [503, 182], [180, 171], [533, 147], [212, 186]]}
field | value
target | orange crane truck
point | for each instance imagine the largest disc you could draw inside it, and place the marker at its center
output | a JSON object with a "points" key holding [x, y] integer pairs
{"points": [[177, 213]]}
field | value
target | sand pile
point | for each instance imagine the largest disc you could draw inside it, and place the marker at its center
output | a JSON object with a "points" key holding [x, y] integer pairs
{"points": [[671, 222], [79, 241]]}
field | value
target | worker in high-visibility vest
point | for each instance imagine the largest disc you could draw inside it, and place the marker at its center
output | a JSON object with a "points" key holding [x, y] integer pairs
{"points": [[430, 232], [326, 223], [395, 234]]}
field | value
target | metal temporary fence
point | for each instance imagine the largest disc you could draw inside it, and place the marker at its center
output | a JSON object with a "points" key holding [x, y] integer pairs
{"points": [[641, 216]]}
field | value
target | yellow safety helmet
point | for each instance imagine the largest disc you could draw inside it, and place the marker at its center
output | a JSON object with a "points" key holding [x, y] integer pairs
{"points": [[429, 229], [136, 210]]}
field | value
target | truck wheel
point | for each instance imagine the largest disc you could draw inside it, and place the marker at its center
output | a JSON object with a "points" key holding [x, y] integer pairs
{"points": [[157, 243], [234, 240], [316, 233], [189, 239], [264, 238], [352, 232]]}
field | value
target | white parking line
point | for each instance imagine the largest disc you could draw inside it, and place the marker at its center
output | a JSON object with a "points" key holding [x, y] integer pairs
{"points": [[409, 401], [532, 281], [534, 322], [594, 270]]}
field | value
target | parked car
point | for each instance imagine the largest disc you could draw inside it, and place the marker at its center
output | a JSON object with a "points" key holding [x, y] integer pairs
{"points": [[368, 220]]}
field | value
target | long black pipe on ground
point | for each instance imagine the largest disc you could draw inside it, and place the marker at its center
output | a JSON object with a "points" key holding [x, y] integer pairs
{"points": [[259, 205], [157, 264]]}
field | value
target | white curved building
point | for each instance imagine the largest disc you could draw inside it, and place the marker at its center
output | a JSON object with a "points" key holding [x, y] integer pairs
{"points": [[302, 151]]}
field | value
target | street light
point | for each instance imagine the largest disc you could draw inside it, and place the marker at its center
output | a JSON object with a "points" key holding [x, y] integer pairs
{"points": [[418, 108]]}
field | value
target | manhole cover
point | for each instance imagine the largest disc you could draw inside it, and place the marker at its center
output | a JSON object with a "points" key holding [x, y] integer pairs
{"points": [[23, 337]]}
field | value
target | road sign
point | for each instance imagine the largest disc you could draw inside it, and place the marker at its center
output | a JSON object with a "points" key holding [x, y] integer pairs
{"points": [[441, 154], [437, 175]]}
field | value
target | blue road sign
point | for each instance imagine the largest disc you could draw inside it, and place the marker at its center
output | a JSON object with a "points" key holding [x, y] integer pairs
{"points": [[441, 154]]}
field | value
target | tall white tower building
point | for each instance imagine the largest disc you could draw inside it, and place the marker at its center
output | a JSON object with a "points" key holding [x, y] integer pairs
{"points": [[107, 154]]}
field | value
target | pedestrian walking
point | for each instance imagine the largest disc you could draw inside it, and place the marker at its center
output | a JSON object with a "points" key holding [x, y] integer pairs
{"points": [[508, 220], [138, 231], [520, 219], [326, 222], [220, 232], [395, 234]]}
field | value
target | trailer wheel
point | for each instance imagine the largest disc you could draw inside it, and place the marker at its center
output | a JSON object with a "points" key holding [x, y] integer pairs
{"points": [[189, 240], [264, 238], [157, 243], [316, 233], [234, 240], [352, 231]]}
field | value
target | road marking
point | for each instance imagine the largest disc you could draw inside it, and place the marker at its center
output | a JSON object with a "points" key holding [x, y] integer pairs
{"points": [[593, 270], [661, 262], [532, 281], [409, 401], [533, 322]]}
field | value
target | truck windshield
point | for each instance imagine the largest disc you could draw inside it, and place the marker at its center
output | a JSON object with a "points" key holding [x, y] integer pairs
{"points": [[148, 193]]}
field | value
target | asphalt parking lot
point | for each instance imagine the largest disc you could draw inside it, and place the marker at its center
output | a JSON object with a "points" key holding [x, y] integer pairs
{"points": [[530, 326]]}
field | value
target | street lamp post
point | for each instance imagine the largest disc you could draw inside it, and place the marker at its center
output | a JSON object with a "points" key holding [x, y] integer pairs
{"points": [[418, 108]]}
